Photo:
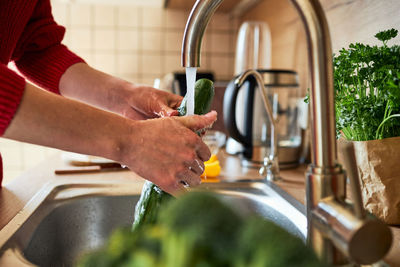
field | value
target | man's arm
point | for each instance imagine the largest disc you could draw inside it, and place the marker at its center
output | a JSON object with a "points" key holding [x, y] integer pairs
{"points": [[89, 85], [164, 151]]}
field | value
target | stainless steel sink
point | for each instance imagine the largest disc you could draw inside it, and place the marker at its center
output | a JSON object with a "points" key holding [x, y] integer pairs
{"points": [[68, 220]]}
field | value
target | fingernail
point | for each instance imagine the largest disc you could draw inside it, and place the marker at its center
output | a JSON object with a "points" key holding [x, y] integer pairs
{"points": [[211, 114]]}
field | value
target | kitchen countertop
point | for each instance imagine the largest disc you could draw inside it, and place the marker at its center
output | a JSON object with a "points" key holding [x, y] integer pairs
{"points": [[15, 195]]}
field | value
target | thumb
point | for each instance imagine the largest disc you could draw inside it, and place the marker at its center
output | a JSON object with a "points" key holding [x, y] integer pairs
{"points": [[198, 122]]}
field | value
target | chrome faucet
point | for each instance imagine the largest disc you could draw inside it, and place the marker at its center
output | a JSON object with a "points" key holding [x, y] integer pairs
{"points": [[336, 232], [270, 167]]}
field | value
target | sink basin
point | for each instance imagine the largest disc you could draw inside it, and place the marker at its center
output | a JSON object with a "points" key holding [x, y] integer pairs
{"points": [[69, 220]]}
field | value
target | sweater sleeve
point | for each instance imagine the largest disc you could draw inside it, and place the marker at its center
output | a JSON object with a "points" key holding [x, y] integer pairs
{"points": [[39, 54], [11, 90]]}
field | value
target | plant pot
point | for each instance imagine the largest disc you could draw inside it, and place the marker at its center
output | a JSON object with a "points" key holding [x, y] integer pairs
{"points": [[378, 164]]}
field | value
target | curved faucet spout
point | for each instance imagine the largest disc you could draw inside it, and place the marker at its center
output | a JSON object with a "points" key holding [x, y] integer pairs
{"points": [[198, 20]]}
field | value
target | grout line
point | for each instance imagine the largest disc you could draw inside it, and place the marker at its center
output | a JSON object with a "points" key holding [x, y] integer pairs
{"points": [[140, 42]]}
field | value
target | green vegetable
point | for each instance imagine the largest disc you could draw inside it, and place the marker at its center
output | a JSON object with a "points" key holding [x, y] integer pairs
{"points": [[152, 197], [140, 248], [203, 97], [263, 243], [367, 88], [203, 231], [151, 200]]}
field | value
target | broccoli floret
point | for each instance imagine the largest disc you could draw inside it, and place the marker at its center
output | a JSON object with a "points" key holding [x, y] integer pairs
{"points": [[202, 231], [125, 248], [264, 244]]}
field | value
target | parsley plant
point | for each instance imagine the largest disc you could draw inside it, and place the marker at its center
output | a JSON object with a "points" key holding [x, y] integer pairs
{"points": [[367, 90]]}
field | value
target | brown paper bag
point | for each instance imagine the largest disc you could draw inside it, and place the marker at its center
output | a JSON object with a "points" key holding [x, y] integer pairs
{"points": [[378, 163]]}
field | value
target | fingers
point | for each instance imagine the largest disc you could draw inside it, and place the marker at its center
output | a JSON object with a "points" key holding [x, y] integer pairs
{"points": [[202, 150], [189, 178], [198, 122], [169, 108], [196, 166]]}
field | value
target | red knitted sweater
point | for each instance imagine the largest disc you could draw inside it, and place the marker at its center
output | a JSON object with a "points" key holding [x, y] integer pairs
{"points": [[31, 39]]}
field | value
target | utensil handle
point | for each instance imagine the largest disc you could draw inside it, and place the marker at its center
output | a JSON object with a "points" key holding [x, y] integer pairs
{"points": [[76, 170]]}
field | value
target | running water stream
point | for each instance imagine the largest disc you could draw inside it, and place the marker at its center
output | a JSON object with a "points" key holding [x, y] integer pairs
{"points": [[190, 81]]}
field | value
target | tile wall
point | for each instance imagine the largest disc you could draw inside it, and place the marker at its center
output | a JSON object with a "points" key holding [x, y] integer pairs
{"points": [[136, 43], [142, 43]]}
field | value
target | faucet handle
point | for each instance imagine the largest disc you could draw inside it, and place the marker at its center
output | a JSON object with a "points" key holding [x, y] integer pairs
{"points": [[350, 164], [270, 168]]}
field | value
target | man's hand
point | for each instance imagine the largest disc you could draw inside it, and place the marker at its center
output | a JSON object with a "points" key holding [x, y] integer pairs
{"points": [[167, 151], [141, 102], [134, 101]]}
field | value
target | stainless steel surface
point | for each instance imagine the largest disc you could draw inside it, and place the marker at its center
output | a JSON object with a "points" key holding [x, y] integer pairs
{"points": [[325, 178], [280, 78], [75, 227], [353, 236], [65, 221], [195, 27], [271, 165], [323, 134], [349, 162]]}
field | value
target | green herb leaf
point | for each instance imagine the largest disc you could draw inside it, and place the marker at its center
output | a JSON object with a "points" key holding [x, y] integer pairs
{"points": [[385, 36], [367, 90]]}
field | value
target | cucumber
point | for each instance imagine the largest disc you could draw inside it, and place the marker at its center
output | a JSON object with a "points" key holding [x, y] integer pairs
{"points": [[203, 97], [150, 201], [152, 197]]}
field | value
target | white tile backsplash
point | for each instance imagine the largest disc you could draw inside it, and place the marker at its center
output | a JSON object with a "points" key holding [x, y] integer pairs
{"points": [[80, 14], [128, 64], [104, 15], [172, 62], [128, 16], [104, 39], [151, 64], [218, 38], [221, 22], [206, 44], [105, 62], [175, 19], [152, 41], [80, 38], [173, 41], [224, 65], [129, 40], [152, 17], [61, 12]]}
